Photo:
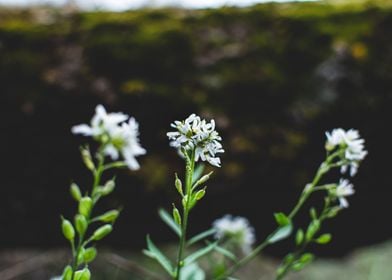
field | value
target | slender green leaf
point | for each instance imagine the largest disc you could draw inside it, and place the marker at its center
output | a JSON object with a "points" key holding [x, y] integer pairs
{"points": [[201, 236], [167, 219], [155, 253], [192, 272], [280, 234], [225, 253], [199, 253]]}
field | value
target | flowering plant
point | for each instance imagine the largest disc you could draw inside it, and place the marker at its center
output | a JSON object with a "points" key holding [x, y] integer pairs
{"points": [[116, 134], [231, 240]]}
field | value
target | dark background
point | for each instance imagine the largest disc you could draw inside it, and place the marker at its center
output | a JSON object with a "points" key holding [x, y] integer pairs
{"points": [[275, 77]]}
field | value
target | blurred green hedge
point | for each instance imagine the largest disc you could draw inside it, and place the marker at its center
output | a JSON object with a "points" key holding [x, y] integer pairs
{"points": [[274, 76]]}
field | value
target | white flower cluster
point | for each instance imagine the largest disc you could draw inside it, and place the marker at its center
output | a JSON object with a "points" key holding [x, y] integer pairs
{"points": [[237, 230], [344, 189], [198, 134], [353, 145], [117, 132]]}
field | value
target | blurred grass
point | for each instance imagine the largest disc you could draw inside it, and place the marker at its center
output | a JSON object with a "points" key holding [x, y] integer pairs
{"points": [[372, 263]]}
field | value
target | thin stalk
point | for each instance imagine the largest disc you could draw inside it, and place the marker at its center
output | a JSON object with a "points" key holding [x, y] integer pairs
{"points": [[299, 251], [97, 174], [186, 209]]}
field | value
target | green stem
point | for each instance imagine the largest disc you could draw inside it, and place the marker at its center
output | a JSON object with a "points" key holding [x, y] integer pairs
{"points": [[299, 251], [190, 166], [97, 174], [324, 167]]}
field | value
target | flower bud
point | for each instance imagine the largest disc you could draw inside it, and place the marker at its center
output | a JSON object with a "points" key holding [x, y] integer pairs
{"points": [[67, 273], [101, 232], [68, 230], [86, 156], [83, 274], [176, 215], [85, 205], [178, 185], [81, 224], [75, 192], [109, 216], [108, 187], [89, 254], [200, 194], [203, 179], [80, 258]]}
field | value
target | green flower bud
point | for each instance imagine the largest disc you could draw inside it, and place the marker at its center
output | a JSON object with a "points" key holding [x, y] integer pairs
{"points": [[81, 224], [109, 216], [299, 237], [86, 156], [108, 187], [324, 239], [204, 179], [89, 254], [200, 194], [68, 230], [184, 201], [75, 192], [83, 274], [80, 258], [85, 205], [67, 273], [176, 215], [101, 232], [178, 185]]}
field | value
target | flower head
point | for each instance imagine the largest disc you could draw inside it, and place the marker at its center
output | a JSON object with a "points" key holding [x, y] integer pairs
{"points": [[200, 135], [352, 146], [344, 189], [236, 230], [118, 134]]}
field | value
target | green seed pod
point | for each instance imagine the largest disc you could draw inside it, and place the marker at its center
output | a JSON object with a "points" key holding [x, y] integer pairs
{"points": [[83, 274], [75, 192], [81, 224], [108, 187], [178, 185], [68, 230], [85, 205], [101, 232], [89, 254], [109, 216], [176, 215], [67, 273], [86, 156]]}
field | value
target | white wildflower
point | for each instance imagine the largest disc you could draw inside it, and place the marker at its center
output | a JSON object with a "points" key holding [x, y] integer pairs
{"points": [[236, 230], [117, 135], [344, 189], [353, 145], [194, 133]]}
